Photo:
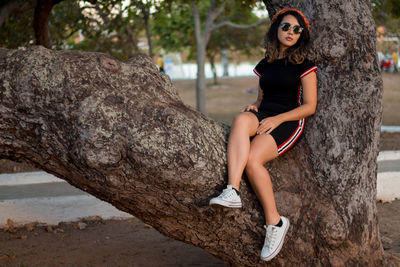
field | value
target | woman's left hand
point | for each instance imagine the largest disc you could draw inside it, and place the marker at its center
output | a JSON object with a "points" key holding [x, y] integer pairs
{"points": [[267, 125]]}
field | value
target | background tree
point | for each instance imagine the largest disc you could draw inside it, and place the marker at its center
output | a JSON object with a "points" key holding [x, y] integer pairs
{"points": [[145, 7], [41, 17], [207, 17], [17, 29], [203, 30], [108, 26], [387, 13], [246, 42], [115, 27], [173, 28], [175, 31], [10, 7]]}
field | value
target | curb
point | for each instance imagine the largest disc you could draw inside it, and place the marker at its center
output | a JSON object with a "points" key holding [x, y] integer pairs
{"points": [[24, 178], [390, 129], [389, 155]]}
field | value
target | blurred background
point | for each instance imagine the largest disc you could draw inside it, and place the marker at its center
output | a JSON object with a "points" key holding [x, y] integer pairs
{"points": [[178, 35], [230, 40]]}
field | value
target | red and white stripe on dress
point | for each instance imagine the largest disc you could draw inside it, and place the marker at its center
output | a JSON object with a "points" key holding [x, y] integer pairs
{"points": [[292, 139], [285, 146], [256, 72], [309, 71], [297, 133]]}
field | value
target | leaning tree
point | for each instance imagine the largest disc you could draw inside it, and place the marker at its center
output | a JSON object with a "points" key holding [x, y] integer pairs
{"points": [[120, 132]]}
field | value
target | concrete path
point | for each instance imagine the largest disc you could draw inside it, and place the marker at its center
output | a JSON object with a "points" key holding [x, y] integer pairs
{"points": [[39, 196], [42, 197]]}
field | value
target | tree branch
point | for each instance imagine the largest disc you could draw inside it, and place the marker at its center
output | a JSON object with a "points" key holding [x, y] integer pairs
{"points": [[209, 21], [239, 26], [219, 10]]}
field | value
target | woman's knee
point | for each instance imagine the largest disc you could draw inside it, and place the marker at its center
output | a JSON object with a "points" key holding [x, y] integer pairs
{"points": [[244, 119], [253, 163]]}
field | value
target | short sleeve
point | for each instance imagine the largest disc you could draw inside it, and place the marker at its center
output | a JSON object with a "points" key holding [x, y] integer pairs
{"points": [[307, 67], [258, 69]]}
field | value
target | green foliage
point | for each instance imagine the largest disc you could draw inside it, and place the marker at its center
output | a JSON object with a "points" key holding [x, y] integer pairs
{"points": [[107, 27], [387, 13], [111, 28], [17, 31], [243, 40], [114, 28], [174, 28], [65, 21]]}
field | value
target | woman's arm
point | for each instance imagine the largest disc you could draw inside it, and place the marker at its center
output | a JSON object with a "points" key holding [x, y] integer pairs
{"points": [[309, 84], [256, 104]]}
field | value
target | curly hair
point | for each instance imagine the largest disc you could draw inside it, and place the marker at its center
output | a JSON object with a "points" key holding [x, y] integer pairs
{"points": [[295, 54]]}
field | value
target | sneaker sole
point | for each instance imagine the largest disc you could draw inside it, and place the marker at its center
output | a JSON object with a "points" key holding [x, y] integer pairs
{"points": [[279, 247], [226, 204]]}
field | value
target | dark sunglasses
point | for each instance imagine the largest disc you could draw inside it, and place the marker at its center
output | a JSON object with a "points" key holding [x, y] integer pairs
{"points": [[296, 29]]}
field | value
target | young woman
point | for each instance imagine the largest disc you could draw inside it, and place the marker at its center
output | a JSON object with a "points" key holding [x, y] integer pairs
{"points": [[287, 93]]}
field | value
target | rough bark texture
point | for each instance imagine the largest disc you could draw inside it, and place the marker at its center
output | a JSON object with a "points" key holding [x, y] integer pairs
{"points": [[120, 132]]}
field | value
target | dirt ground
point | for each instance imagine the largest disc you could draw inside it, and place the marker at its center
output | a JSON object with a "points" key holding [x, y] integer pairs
{"points": [[95, 242], [100, 243]]}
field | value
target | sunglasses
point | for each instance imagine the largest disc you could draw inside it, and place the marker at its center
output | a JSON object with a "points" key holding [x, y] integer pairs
{"points": [[296, 29]]}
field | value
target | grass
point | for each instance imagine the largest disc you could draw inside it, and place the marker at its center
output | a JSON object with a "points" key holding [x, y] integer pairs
{"points": [[391, 98], [225, 100]]}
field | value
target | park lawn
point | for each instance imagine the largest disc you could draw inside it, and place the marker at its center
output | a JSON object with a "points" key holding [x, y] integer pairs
{"points": [[223, 101], [227, 98], [391, 98]]}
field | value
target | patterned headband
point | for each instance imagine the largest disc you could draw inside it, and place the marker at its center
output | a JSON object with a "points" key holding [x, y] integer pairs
{"points": [[291, 9]]}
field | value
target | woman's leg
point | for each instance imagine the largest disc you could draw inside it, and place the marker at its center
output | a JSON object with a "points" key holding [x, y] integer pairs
{"points": [[263, 149], [243, 126]]}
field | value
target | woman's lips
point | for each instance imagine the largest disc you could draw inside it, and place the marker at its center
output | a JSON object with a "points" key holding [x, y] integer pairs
{"points": [[289, 39]]}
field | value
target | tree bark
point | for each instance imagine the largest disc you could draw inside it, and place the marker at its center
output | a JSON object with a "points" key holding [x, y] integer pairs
{"points": [[201, 46], [211, 58], [146, 18], [132, 39], [145, 8], [120, 132], [41, 21]]}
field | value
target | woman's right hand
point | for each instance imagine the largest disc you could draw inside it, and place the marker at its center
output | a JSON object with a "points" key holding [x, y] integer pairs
{"points": [[250, 107]]}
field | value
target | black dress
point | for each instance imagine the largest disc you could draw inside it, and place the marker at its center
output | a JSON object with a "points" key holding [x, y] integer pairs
{"points": [[280, 82]]}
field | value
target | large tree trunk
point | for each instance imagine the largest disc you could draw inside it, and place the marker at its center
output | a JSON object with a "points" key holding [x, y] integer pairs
{"points": [[41, 21], [120, 132]]}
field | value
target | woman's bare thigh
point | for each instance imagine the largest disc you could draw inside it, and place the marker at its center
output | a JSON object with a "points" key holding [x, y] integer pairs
{"points": [[263, 148]]}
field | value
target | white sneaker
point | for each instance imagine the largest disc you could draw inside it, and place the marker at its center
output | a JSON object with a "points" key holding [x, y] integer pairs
{"points": [[228, 198], [274, 238]]}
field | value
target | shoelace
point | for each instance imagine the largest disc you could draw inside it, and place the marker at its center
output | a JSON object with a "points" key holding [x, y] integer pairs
{"points": [[226, 193], [271, 238]]}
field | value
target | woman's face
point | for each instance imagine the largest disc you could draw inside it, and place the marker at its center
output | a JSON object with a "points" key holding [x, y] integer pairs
{"points": [[288, 38]]}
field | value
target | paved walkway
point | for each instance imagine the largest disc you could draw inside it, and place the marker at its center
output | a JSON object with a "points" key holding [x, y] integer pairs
{"points": [[39, 196]]}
